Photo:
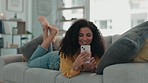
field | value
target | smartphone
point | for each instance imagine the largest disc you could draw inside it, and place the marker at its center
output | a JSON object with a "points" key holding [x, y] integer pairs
{"points": [[86, 48]]}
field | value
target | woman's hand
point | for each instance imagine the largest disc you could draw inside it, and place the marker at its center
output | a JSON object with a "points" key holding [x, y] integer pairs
{"points": [[80, 60], [90, 66]]}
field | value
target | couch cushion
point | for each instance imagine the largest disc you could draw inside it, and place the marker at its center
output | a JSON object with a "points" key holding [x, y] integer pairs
{"points": [[14, 72], [126, 73], [39, 75], [124, 48], [28, 49], [82, 78]]}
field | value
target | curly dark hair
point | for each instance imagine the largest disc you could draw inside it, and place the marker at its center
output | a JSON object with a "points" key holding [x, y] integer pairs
{"points": [[69, 45]]}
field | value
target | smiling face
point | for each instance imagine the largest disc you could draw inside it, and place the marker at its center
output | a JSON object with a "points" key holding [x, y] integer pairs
{"points": [[85, 36]]}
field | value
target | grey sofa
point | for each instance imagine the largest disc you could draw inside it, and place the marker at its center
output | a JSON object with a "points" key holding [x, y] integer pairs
{"points": [[14, 70]]}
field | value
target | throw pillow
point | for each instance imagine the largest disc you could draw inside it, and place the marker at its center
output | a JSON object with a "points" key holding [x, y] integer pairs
{"points": [[28, 49], [115, 37], [108, 41], [142, 56], [124, 49]]}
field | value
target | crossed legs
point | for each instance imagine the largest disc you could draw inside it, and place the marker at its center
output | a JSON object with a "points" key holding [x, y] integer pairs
{"points": [[47, 37]]}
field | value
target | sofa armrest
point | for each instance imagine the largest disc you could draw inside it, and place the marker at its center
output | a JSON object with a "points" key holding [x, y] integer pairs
{"points": [[126, 73], [4, 60], [10, 58]]}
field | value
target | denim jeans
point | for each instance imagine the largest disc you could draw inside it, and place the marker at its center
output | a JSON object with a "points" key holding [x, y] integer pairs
{"points": [[42, 58]]}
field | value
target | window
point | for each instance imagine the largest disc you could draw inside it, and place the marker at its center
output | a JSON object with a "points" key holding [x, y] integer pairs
{"points": [[70, 11], [138, 4], [117, 16], [104, 24]]}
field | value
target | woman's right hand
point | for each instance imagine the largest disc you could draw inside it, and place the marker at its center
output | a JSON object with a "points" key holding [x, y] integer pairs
{"points": [[80, 60]]}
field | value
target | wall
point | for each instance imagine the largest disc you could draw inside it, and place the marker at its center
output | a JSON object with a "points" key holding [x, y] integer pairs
{"points": [[25, 15], [47, 8], [116, 10], [10, 14], [31, 10], [0, 5]]}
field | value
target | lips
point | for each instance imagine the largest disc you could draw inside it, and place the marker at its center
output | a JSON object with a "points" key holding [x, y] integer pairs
{"points": [[85, 43]]}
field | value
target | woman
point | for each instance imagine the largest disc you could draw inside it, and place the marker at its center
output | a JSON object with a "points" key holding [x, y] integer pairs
{"points": [[72, 62]]}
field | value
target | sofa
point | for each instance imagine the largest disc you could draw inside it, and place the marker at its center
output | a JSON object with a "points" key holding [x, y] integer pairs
{"points": [[13, 69]]}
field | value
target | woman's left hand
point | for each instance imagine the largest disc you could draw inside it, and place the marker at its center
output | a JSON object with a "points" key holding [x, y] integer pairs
{"points": [[90, 66]]}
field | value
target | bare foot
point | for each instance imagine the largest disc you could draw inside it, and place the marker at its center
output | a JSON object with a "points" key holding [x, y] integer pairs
{"points": [[43, 22], [46, 26], [53, 30]]}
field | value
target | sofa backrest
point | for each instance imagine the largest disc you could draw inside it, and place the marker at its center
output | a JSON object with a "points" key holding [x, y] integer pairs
{"points": [[28, 49], [56, 44], [108, 41]]}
